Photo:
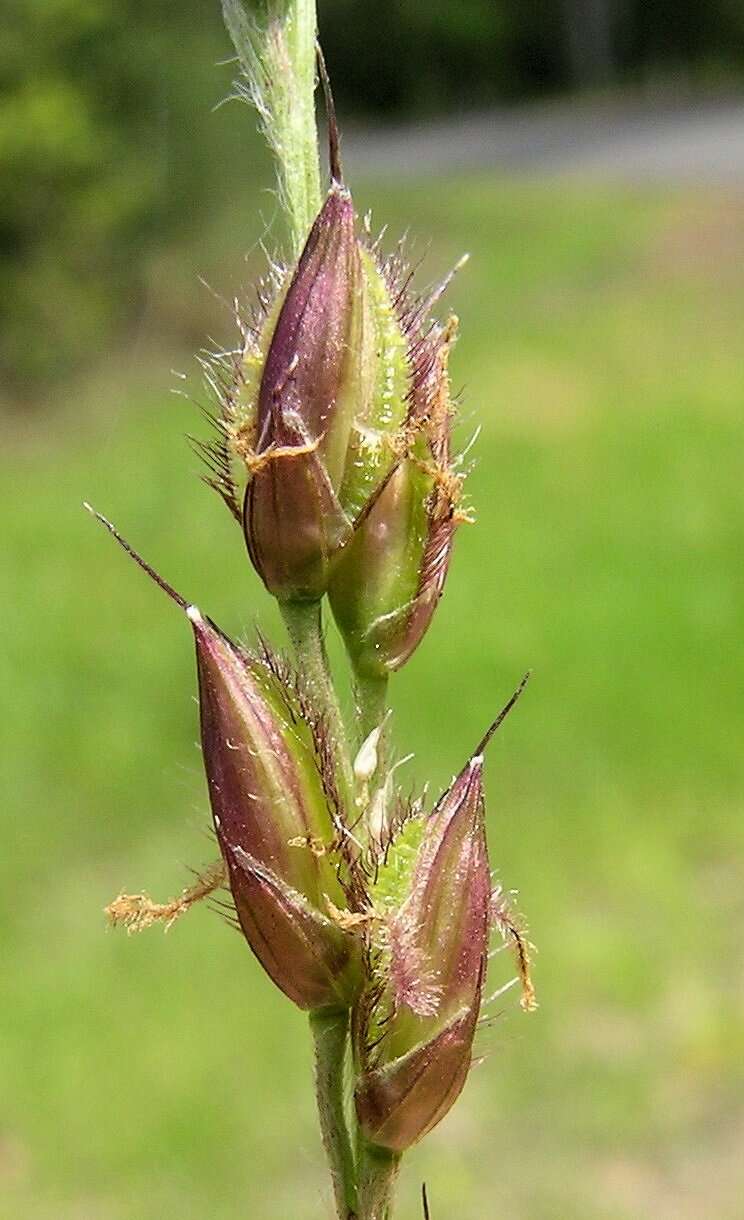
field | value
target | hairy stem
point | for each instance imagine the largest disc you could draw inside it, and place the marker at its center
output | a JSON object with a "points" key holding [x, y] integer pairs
{"points": [[276, 45], [305, 627], [330, 1029], [302, 136], [378, 1173]]}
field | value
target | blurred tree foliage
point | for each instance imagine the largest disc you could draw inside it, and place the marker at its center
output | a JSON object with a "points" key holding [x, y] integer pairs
{"points": [[101, 100], [413, 55], [417, 55]]}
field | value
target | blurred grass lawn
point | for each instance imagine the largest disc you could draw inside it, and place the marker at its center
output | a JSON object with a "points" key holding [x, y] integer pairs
{"points": [[161, 1078]]}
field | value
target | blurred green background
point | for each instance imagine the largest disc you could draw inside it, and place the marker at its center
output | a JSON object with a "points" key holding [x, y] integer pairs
{"points": [[161, 1077]]}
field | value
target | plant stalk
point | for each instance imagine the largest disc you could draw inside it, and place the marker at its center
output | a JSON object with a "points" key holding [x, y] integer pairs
{"points": [[302, 134], [330, 1029], [371, 702], [276, 45], [304, 625], [378, 1174]]}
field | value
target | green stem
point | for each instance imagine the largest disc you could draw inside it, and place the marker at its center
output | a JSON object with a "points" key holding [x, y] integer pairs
{"points": [[276, 45], [330, 1028], [305, 627], [302, 177], [378, 1173], [371, 702]]}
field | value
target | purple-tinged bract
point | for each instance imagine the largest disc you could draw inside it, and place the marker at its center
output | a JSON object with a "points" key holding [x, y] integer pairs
{"points": [[293, 520], [415, 1032], [277, 820], [391, 576], [335, 417]]}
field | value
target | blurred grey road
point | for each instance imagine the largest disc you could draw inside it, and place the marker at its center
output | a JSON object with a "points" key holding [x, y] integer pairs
{"points": [[642, 142]]}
